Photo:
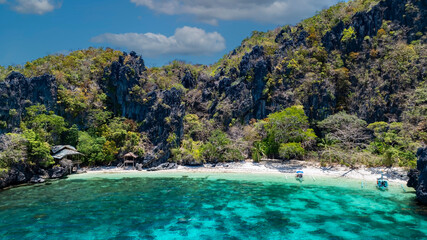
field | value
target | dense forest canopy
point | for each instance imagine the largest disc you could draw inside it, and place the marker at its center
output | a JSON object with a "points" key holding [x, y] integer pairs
{"points": [[346, 86]]}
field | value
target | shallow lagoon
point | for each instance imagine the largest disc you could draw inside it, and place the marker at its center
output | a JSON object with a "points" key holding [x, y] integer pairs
{"points": [[209, 206]]}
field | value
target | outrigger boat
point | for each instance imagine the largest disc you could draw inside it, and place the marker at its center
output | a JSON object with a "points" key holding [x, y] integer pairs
{"points": [[382, 183], [299, 176]]}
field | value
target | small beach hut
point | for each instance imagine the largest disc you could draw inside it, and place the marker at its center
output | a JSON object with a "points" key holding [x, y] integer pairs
{"points": [[129, 158], [61, 152]]}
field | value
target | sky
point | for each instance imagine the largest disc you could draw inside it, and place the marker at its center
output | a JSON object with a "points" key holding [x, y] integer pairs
{"points": [[196, 31]]}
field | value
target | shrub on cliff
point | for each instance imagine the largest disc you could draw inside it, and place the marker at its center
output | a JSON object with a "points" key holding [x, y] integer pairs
{"points": [[38, 150], [46, 125], [13, 149]]}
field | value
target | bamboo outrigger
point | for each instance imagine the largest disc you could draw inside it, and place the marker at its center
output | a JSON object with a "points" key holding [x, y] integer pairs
{"points": [[382, 183], [299, 176]]}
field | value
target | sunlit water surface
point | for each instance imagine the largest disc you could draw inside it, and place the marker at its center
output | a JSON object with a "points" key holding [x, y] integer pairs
{"points": [[209, 206]]}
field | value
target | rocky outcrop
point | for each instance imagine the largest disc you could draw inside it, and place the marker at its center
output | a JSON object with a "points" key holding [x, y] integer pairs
{"points": [[121, 78], [18, 92], [405, 13], [164, 166], [58, 172], [16, 175], [188, 81], [418, 177], [238, 94], [161, 112], [21, 173], [413, 175]]}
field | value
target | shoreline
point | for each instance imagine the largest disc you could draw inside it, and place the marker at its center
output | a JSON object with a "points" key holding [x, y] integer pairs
{"points": [[397, 175]]}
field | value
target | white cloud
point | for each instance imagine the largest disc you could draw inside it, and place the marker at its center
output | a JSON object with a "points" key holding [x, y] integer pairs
{"points": [[33, 6], [185, 41], [270, 11]]}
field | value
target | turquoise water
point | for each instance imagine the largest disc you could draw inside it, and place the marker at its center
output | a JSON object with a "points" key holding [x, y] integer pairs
{"points": [[203, 206]]}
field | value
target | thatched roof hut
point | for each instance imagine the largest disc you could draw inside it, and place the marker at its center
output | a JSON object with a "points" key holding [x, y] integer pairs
{"points": [[61, 151], [129, 158], [130, 155]]}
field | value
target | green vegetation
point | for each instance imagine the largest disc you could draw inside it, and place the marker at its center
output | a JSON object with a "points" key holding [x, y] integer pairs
{"points": [[348, 34], [13, 149], [219, 148], [41, 130], [393, 144], [77, 68], [291, 150], [94, 148], [367, 104], [342, 11], [288, 133], [233, 59], [351, 141]]}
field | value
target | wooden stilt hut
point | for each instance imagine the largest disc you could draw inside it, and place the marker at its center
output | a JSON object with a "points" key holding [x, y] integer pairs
{"points": [[129, 158], [62, 152]]}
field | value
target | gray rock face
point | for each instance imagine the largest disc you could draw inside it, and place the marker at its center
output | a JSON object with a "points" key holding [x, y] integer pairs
{"points": [[188, 80], [164, 166], [368, 23], [18, 92], [242, 90], [418, 177], [413, 178], [161, 113], [58, 172], [37, 179], [139, 166], [18, 174], [422, 178], [22, 173]]}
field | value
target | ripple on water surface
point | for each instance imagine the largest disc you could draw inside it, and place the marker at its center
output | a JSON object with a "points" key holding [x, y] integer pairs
{"points": [[203, 206]]}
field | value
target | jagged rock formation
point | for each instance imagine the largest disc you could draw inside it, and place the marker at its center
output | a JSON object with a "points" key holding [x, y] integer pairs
{"points": [[161, 111], [368, 23], [21, 173], [261, 85], [418, 177], [18, 92]]}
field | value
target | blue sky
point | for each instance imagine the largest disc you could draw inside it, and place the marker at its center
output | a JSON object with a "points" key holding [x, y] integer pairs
{"points": [[197, 31]]}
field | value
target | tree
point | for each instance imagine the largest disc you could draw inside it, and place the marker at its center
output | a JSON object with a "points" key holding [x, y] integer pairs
{"points": [[92, 148], [288, 126], [13, 149], [71, 136], [97, 118], [393, 144], [346, 130], [38, 150], [188, 153], [219, 148], [258, 151], [193, 127], [291, 150], [48, 126]]}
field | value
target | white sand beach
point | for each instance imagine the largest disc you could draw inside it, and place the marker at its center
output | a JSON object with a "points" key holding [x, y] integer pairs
{"points": [[288, 168]]}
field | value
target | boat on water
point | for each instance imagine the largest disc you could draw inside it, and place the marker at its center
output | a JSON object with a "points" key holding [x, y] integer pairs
{"points": [[382, 183], [299, 176]]}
